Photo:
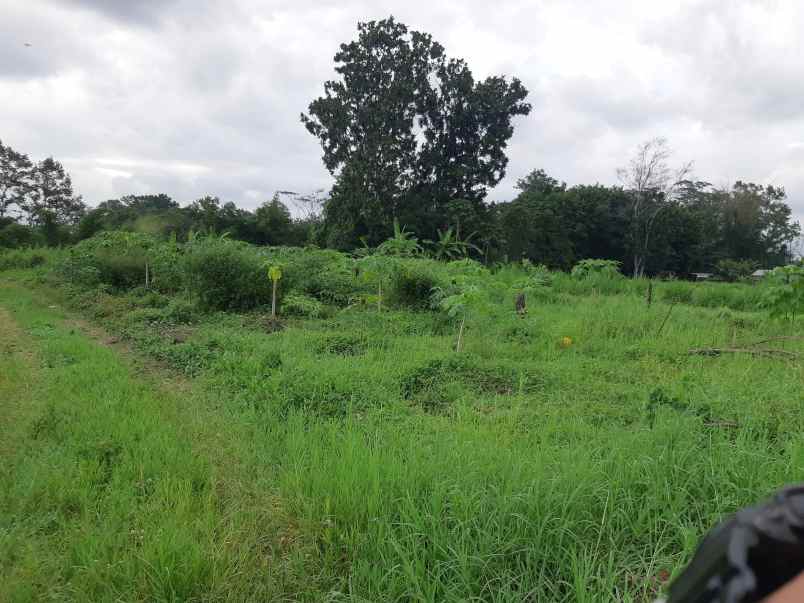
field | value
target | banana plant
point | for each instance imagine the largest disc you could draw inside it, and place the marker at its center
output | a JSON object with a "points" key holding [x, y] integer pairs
{"points": [[450, 247], [402, 244]]}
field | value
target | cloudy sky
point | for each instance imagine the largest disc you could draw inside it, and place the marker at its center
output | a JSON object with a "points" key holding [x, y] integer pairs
{"points": [[194, 97]]}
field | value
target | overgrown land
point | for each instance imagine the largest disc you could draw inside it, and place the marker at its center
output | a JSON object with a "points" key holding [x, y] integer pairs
{"points": [[176, 442], [400, 391]]}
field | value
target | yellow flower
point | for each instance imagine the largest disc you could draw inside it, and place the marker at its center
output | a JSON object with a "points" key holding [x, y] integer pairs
{"points": [[566, 342]]}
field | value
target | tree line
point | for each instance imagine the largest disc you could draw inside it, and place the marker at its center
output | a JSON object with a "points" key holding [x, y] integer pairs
{"points": [[35, 196], [412, 140]]}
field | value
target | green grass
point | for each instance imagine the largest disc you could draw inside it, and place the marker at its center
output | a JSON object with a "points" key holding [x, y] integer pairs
{"points": [[357, 457], [114, 488]]}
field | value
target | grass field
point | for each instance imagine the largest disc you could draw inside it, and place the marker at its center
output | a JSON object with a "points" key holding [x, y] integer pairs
{"points": [[575, 454]]}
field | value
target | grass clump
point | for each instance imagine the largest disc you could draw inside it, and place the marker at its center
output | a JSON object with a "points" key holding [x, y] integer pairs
{"points": [[432, 383], [343, 344]]}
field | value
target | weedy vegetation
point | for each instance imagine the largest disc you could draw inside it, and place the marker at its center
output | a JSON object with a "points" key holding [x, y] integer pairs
{"points": [[211, 420]]}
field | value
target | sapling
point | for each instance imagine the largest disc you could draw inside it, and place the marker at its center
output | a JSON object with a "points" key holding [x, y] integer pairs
{"points": [[785, 295], [464, 299], [274, 273], [379, 268]]}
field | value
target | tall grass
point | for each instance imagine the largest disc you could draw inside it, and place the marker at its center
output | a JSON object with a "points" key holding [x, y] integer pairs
{"points": [[367, 461]]}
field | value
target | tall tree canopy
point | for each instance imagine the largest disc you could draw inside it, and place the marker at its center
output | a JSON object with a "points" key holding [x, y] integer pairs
{"points": [[15, 180], [407, 130], [52, 198]]}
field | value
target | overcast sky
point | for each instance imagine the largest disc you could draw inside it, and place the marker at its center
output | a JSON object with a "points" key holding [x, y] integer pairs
{"points": [[194, 97]]}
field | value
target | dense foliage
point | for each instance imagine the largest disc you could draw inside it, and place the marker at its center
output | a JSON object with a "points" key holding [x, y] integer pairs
{"points": [[408, 133]]}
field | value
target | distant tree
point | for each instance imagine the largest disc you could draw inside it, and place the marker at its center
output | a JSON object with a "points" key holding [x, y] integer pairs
{"points": [[90, 225], [52, 198], [156, 214], [149, 203], [15, 180], [756, 224], [274, 223], [538, 182], [554, 225], [14, 235], [651, 186], [406, 130], [205, 214]]}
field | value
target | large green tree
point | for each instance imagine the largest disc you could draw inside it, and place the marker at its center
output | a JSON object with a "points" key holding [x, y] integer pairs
{"points": [[52, 200], [16, 172], [756, 223], [555, 225], [406, 130], [274, 222]]}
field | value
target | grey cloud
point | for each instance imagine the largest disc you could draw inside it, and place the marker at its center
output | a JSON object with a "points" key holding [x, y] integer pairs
{"points": [[140, 12], [218, 86]]}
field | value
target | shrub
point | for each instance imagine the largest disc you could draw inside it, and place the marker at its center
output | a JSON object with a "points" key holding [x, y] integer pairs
{"points": [[298, 304], [119, 259], [785, 297], [226, 275], [189, 357], [411, 285], [15, 236], [24, 258], [121, 270], [737, 297], [323, 274], [181, 311], [591, 267], [734, 270]]}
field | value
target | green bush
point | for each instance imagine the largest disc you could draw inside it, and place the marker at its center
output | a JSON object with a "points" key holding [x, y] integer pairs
{"points": [[119, 259], [735, 270], [16, 236], [298, 304], [785, 296], [227, 275], [181, 311], [744, 297], [411, 284], [323, 394], [592, 267], [323, 274], [122, 270], [21, 259]]}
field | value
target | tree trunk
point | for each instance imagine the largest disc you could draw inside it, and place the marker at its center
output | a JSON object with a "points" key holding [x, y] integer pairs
{"points": [[379, 296], [273, 300], [460, 335], [639, 265]]}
